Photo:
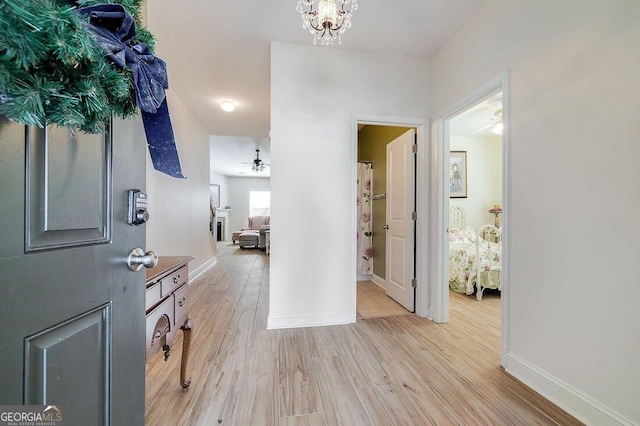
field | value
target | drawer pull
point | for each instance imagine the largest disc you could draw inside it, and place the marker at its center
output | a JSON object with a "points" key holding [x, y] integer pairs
{"points": [[176, 279], [182, 301]]}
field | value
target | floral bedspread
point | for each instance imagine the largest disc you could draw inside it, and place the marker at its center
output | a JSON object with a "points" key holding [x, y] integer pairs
{"points": [[463, 258]]}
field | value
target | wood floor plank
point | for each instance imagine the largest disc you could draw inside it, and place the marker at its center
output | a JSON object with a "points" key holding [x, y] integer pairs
{"points": [[298, 387], [357, 357], [320, 342], [454, 389], [258, 386], [217, 401], [340, 398], [383, 345], [401, 370], [387, 407], [263, 340], [434, 409], [315, 419]]}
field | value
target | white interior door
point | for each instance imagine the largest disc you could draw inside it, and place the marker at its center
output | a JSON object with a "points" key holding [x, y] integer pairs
{"points": [[400, 224]]}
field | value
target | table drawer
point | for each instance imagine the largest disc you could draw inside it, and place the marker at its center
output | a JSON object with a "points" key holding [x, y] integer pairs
{"points": [[174, 280], [153, 295], [164, 309], [181, 304]]}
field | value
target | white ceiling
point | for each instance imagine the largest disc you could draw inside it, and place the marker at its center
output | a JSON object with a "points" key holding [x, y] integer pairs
{"points": [[229, 155], [220, 50], [477, 121]]}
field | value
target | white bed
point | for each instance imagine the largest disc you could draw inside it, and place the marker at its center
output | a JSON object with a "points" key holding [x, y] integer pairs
{"points": [[466, 246]]}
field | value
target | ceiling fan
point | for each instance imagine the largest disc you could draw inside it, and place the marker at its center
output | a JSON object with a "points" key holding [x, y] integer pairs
{"points": [[257, 165], [495, 123]]}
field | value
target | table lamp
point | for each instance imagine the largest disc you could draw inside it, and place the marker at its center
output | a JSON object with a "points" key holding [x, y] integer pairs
{"points": [[496, 210]]}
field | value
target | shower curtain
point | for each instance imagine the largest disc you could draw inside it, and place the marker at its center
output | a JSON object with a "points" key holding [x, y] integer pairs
{"points": [[365, 245]]}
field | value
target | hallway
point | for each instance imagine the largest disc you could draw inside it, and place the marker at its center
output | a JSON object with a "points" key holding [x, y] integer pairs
{"points": [[394, 370]]}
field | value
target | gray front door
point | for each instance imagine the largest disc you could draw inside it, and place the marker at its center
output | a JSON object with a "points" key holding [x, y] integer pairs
{"points": [[72, 326]]}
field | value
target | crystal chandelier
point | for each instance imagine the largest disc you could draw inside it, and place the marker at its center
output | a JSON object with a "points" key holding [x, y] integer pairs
{"points": [[328, 20]]}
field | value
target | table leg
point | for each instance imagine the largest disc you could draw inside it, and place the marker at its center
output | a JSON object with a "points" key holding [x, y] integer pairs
{"points": [[186, 344]]}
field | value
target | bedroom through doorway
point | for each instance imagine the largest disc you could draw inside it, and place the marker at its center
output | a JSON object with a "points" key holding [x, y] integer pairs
{"points": [[475, 191]]}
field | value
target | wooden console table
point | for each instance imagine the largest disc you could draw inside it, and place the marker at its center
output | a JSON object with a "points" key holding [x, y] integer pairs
{"points": [[167, 307]]}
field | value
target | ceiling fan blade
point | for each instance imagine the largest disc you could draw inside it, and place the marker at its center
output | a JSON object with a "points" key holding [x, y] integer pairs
{"points": [[478, 119], [486, 126]]}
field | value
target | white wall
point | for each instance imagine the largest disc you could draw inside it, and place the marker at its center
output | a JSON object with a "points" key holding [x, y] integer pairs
{"points": [[179, 208], [484, 178], [574, 95], [239, 188], [314, 94]]}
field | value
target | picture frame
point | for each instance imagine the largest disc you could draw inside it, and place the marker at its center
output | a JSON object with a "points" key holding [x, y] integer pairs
{"points": [[458, 174], [215, 195]]}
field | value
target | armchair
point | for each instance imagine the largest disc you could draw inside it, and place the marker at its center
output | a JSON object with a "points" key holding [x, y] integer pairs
{"points": [[256, 222], [254, 233]]}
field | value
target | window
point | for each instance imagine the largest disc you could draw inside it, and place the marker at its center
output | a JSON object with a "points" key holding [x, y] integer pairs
{"points": [[260, 203]]}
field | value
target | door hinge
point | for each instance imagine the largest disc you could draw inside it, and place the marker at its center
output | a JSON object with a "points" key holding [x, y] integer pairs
{"points": [[414, 215], [414, 282], [414, 148]]}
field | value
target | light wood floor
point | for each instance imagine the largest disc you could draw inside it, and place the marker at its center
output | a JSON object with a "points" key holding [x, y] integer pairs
{"points": [[373, 302], [378, 371]]}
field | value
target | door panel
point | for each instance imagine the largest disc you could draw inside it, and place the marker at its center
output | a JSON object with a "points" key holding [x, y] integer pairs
{"points": [[58, 191], [68, 187], [401, 226], [52, 367], [397, 270]]}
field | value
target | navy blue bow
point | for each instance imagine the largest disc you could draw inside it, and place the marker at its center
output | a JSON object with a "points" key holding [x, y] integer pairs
{"points": [[114, 29]]}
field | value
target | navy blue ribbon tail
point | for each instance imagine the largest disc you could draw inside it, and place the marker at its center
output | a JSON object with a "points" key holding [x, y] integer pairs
{"points": [[161, 142]]}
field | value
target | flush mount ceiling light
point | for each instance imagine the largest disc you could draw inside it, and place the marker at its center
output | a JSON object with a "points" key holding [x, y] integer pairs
{"points": [[326, 19], [227, 106]]}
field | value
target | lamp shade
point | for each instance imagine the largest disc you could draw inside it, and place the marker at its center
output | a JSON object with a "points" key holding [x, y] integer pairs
{"points": [[496, 209]]}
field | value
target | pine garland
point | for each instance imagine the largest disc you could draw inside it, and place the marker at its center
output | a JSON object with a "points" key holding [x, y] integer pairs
{"points": [[52, 71]]}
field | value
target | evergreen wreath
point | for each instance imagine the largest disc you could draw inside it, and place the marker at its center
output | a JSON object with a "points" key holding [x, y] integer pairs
{"points": [[52, 71]]}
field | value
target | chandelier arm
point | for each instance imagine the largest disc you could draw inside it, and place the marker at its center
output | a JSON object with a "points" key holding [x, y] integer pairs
{"points": [[325, 28], [316, 28]]}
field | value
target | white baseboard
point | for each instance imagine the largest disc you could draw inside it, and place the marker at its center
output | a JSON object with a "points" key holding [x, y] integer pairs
{"points": [[310, 320], [571, 400], [364, 277], [381, 282], [202, 269]]}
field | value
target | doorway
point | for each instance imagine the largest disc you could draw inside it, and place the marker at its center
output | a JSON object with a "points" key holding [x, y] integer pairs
{"points": [[370, 148], [482, 204], [475, 208]]}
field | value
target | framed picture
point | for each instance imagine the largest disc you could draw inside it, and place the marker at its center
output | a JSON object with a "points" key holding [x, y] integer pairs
{"points": [[215, 195], [458, 174]]}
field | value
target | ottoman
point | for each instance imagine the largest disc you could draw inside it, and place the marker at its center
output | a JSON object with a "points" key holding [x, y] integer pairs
{"points": [[235, 235], [248, 239]]}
